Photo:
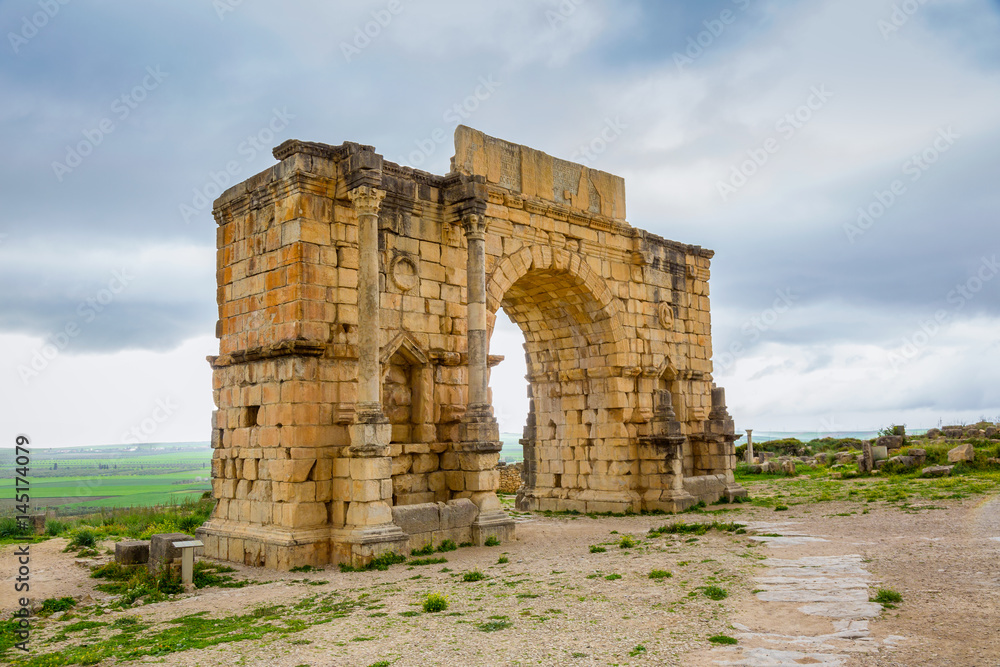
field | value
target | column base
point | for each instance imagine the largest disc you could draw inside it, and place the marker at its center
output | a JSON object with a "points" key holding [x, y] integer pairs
{"points": [[495, 524], [734, 491], [671, 500], [265, 546], [358, 546]]}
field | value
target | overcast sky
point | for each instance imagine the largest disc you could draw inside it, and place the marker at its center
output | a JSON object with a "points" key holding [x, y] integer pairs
{"points": [[841, 157]]}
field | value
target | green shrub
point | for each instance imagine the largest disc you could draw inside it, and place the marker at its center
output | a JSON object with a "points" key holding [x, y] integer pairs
{"points": [[492, 541], [887, 597], [722, 639], [425, 550], [435, 602], [473, 575], [714, 592], [11, 527], [55, 528], [83, 538], [660, 574], [55, 605], [627, 542], [447, 545], [597, 549]]}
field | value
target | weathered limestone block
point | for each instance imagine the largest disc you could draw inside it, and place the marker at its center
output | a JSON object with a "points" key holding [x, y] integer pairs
{"points": [[423, 518], [963, 452], [132, 552]]}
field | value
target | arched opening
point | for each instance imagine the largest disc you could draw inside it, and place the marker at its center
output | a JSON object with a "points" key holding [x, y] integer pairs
{"points": [[577, 453]]}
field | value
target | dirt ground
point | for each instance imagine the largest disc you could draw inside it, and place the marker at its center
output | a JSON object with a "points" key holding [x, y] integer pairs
{"points": [[556, 603]]}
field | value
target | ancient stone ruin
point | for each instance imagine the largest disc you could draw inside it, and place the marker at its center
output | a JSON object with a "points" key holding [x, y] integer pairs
{"points": [[356, 301]]}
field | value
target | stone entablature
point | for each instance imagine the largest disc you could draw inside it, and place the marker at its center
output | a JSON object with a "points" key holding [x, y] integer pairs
{"points": [[332, 411]]}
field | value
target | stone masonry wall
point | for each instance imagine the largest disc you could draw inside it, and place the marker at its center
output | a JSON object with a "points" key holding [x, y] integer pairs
{"points": [[617, 337]]}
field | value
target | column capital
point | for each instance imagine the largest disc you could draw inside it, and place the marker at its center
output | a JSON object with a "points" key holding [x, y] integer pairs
{"points": [[366, 199], [474, 225]]}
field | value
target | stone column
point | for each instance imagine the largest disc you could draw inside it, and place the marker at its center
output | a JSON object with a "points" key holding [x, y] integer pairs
{"points": [[749, 458], [370, 529], [475, 234], [367, 201], [479, 449]]}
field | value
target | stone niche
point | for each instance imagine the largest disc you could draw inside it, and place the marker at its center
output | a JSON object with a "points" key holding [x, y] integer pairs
{"points": [[356, 299]]}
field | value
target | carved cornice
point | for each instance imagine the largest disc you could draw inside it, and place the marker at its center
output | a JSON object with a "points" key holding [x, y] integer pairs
{"points": [[285, 348]]}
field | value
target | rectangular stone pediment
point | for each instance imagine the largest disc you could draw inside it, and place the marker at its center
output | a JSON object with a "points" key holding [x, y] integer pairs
{"points": [[533, 173]]}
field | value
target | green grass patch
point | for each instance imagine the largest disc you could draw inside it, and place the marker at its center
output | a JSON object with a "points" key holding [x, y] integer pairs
{"points": [[380, 562], [425, 550], [714, 592], [428, 561], [685, 528], [493, 624], [722, 639], [887, 597]]}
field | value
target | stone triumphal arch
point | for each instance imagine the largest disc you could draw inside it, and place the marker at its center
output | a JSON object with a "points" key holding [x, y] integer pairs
{"points": [[356, 300]]}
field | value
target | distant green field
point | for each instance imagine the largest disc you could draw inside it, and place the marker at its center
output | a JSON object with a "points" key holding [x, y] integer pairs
{"points": [[76, 492], [512, 450], [75, 478]]}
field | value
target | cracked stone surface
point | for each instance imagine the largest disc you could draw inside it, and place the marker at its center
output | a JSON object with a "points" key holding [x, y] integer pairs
{"points": [[834, 588]]}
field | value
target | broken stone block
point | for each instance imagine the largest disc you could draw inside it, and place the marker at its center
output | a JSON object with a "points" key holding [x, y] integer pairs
{"points": [[132, 552], [890, 441], [162, 550], [961, 453], [936, 471]]}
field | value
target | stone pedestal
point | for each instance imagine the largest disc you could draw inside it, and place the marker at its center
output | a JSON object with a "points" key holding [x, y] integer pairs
{"points": [[369, 529]]}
